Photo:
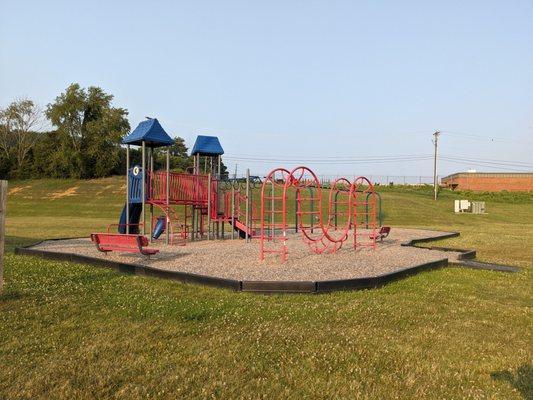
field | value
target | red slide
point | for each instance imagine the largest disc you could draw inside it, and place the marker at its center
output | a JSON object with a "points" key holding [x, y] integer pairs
{"points": [[242, 229]]}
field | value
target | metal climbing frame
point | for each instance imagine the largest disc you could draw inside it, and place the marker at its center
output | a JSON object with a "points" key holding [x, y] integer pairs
{"points": [[348, 201], [273, 214], [308, 216], [364, 213], [339, 209]]}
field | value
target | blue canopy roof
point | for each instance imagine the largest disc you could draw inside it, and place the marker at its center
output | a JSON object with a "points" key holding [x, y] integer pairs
{"points": [[207, 146], [151, 132]]}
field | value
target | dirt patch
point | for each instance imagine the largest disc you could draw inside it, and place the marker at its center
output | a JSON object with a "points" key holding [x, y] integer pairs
{"points": [[105, 190], [67, 193], [16, 190]]}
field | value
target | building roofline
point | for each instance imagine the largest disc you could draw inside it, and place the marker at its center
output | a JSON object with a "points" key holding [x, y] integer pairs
{"points": [[488, 174]]}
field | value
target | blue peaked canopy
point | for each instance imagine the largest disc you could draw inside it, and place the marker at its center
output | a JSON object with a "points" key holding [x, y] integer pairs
{"points": [[151, 132], [207, 146]]}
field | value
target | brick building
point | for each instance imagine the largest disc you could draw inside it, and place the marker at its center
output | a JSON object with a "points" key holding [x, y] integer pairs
{"points": [[490, 181]]}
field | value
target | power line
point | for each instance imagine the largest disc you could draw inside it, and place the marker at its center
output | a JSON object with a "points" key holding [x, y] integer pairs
{"points": [[348, 158], [491, 163], [384, 160], [329, 162], [487, 166], [484, 138], [526, 164]]}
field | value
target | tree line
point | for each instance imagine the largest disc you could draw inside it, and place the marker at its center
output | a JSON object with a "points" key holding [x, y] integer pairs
{"points": [[84, 141]]}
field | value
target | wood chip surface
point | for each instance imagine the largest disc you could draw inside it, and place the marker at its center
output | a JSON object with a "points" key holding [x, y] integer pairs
{"points": [[235, 259]]}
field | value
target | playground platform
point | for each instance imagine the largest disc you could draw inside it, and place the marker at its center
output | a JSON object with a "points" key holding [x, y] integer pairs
{"points": [[234, 264]]}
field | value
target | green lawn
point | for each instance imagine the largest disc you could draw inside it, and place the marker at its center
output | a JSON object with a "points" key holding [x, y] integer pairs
{"points": [[73, 331]]}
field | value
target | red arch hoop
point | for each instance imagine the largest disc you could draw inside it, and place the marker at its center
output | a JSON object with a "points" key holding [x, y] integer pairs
{"points": [[328, 239]]}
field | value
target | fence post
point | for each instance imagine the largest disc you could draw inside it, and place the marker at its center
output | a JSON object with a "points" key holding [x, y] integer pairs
{"points": [[3, 205], [248, 206], [209, 206]]}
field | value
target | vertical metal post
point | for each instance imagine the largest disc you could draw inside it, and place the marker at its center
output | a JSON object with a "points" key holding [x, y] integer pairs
{"points": [[379, 209], [3, 206], [312, 209], [233, 210], [247, 236], [296, 213], [219, 166], [208, 206], [435, 178], [272, 206], [149, 192], [193, 223], [167, 225], [336, 209], [127, 189], [366, 210], [143, 189]]}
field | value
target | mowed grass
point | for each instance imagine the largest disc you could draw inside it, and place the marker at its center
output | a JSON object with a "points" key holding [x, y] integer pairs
{"points": [[74, 331]]}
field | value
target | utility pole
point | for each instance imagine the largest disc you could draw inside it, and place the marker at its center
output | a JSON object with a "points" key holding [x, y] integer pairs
{"points": [[435, 179]]}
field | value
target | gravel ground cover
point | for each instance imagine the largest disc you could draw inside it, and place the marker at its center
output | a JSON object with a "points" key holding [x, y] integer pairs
{"points": [[235, 259]]}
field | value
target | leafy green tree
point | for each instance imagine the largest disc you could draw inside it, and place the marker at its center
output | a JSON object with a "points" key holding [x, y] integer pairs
{"points": [[179, 157], [88, 132], [19, 123], [47, 159]]}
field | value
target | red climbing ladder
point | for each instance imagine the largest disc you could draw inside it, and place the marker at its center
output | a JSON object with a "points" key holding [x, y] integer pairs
{"points": [[273, 235]]}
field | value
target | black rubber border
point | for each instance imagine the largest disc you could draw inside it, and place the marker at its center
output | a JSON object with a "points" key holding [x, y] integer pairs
{"points": [[135, 269], [244, 286], [272, 287], [488, 266], [465, 254]]}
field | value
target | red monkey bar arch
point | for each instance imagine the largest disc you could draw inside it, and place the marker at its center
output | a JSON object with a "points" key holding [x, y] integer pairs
{"points": [[364, 213], [357, 200]]}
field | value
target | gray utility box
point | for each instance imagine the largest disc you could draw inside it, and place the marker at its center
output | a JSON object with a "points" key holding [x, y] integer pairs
{"points": [[478, 207]]}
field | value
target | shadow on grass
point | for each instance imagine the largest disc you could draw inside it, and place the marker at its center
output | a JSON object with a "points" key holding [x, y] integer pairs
{"points": [[10, 295], [18, 241], [522, 380]]}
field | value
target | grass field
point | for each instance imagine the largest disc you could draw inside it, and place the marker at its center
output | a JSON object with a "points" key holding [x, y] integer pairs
{"points": [[74, 331]]}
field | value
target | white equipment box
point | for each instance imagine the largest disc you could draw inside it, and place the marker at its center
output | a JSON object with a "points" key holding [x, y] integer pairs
{"points": [[462, 206], [465, 206]]}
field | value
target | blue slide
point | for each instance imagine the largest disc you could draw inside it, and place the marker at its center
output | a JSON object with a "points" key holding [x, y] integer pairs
{"points": [[135, 217]]}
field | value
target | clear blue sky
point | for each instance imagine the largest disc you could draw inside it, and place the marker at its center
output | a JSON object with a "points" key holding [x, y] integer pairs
{"points": [[294, 79]]}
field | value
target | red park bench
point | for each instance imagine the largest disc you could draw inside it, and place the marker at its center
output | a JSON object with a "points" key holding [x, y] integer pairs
{"points": [[106, 242], [382, 234]]}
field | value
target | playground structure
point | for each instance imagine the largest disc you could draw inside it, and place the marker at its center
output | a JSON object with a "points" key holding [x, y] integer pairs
{"points": [[193, 206], [350, 206]]}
